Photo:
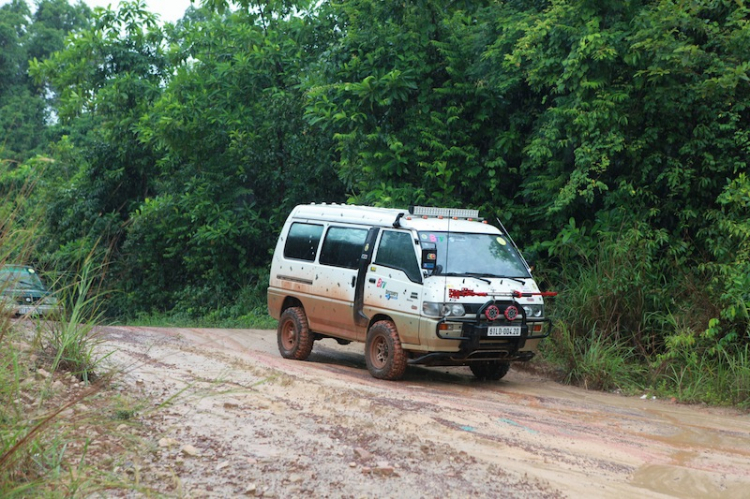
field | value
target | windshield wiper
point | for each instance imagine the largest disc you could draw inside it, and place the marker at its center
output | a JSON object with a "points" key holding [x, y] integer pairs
{"points": [[481, 276], [466, 274], [517, 279]]}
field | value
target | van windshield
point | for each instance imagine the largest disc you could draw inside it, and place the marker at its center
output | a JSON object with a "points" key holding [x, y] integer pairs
{"points": [[19, 278], [479, 255]]}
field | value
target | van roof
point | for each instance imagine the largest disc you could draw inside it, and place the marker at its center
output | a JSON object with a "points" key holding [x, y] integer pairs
{"points": [[347, 213], [384, 217]]}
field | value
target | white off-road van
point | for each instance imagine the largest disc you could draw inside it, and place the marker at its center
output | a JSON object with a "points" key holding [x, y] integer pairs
{"points": [[428, 286]]}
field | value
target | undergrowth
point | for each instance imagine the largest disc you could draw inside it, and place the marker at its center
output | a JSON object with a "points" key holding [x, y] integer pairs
{"points": [[241, 310], [629, 319], [48, 397]]}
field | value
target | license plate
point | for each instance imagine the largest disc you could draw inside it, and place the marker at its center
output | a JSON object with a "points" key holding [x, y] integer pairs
{"points": [[504, 331]]}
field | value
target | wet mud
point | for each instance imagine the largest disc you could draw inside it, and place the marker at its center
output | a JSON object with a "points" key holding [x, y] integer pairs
{"points": [[325, 427]]}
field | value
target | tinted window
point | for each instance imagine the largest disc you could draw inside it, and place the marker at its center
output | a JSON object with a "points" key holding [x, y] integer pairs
{"points": [[19, 277], [489, 255], [302, 241], [343, 247], [396, 250]]}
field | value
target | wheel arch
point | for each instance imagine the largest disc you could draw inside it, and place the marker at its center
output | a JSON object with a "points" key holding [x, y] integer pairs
{"points": [[381, 317], [289, 302]]}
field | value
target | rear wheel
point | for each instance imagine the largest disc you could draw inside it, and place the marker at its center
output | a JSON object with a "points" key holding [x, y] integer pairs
{"points": [[491, 370], [383, 353], [294, 337]]}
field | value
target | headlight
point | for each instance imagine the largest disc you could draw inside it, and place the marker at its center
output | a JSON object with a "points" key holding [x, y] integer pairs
{"points": [[453, 310], [533, 311], [437, 309]]}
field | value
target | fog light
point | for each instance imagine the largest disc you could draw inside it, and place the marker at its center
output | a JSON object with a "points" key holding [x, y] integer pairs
{"points": [[511, 313], [450, 329]]}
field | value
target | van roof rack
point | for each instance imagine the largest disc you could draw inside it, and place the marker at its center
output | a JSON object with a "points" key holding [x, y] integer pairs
{"points": [[455, 213]]}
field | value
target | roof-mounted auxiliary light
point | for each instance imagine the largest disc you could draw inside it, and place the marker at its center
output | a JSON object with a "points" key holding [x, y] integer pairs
{"points": [[454, 213]]}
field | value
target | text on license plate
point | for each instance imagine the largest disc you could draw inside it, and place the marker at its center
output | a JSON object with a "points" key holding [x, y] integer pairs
{"points": [[504, 331]]}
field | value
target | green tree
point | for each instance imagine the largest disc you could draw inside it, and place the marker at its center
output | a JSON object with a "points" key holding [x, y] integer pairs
{"points": [[410, 122], [628, 118], [642, 106], [25, 116], [642, 139], [236, 156], [106, 78]]}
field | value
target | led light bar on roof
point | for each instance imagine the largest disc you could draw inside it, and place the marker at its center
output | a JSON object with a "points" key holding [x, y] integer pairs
{"points": [[425, 211]]}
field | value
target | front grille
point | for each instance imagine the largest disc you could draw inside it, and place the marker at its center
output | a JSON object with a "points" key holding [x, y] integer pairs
{"points": [[473, 308]]}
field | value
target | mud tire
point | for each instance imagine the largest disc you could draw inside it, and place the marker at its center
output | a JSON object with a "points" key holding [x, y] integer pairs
{"points": [[293, 335], [491, 370], [383, 353]]}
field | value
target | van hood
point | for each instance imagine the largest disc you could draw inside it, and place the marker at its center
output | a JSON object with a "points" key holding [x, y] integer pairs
{"points": [[467, 288]]}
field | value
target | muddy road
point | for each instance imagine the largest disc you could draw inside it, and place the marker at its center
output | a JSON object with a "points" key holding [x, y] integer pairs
{"points": [[241, 421]]}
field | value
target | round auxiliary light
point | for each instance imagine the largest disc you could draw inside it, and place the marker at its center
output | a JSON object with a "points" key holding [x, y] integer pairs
{"points": [[492, 312], [511, 313]]}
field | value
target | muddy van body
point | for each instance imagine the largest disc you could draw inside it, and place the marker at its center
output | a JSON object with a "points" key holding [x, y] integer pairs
{"points": [[427, 286]]}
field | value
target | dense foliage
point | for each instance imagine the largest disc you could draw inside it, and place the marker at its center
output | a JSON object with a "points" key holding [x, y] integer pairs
{"points": [[24, 113], [611, 138]]}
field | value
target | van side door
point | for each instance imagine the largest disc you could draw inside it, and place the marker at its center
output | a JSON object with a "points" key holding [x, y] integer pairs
{"points": [[394, 283]]}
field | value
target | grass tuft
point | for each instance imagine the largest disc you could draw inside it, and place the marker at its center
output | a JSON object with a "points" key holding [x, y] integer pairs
{"points": [[71, 342]]}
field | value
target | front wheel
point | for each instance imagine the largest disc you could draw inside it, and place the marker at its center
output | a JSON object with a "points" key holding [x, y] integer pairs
{"points": [[294, 337], [383, 353], [491, 370]]}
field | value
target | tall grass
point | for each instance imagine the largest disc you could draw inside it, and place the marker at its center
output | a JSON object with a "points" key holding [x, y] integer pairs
{"points": [[696, 369], [40, 435], [71, 342], [629, 319], [594, 361]]}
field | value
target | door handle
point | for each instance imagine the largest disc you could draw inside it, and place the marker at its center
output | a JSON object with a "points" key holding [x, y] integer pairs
{"points": [[371, 280], [354, 280]]}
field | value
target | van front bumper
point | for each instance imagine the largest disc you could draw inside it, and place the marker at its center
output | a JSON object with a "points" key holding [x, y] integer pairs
{"points": [[37, 310], [475, 344]]}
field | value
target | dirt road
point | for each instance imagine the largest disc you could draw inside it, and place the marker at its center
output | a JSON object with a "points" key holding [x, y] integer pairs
{"points": [[253, 424]]}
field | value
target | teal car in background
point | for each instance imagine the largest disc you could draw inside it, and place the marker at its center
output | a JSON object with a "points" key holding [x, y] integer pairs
{"points": [[22, 293]]}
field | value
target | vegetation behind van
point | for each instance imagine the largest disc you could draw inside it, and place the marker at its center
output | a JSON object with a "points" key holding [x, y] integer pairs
{"points": [[430, 286]]}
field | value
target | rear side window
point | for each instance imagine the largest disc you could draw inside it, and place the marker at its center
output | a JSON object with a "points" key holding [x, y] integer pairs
{"points": [[343, 247], [396, 250], [302, 241]]}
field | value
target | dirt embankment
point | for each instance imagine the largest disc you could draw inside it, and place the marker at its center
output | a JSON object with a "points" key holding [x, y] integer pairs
{"points": [[245, 422]]}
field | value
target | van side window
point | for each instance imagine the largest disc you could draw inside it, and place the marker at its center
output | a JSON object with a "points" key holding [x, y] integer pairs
{"points": [[396, 250], [343, 247], [302, 241]]}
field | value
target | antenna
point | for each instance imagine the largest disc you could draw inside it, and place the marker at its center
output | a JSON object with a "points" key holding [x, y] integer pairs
{"points": [[528, 267]]}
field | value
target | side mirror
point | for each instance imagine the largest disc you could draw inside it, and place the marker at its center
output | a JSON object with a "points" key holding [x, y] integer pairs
{"points": [[429, 256]]}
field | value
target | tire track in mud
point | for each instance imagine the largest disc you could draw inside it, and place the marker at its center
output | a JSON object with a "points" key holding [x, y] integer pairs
{"points": [[437, 430]]}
